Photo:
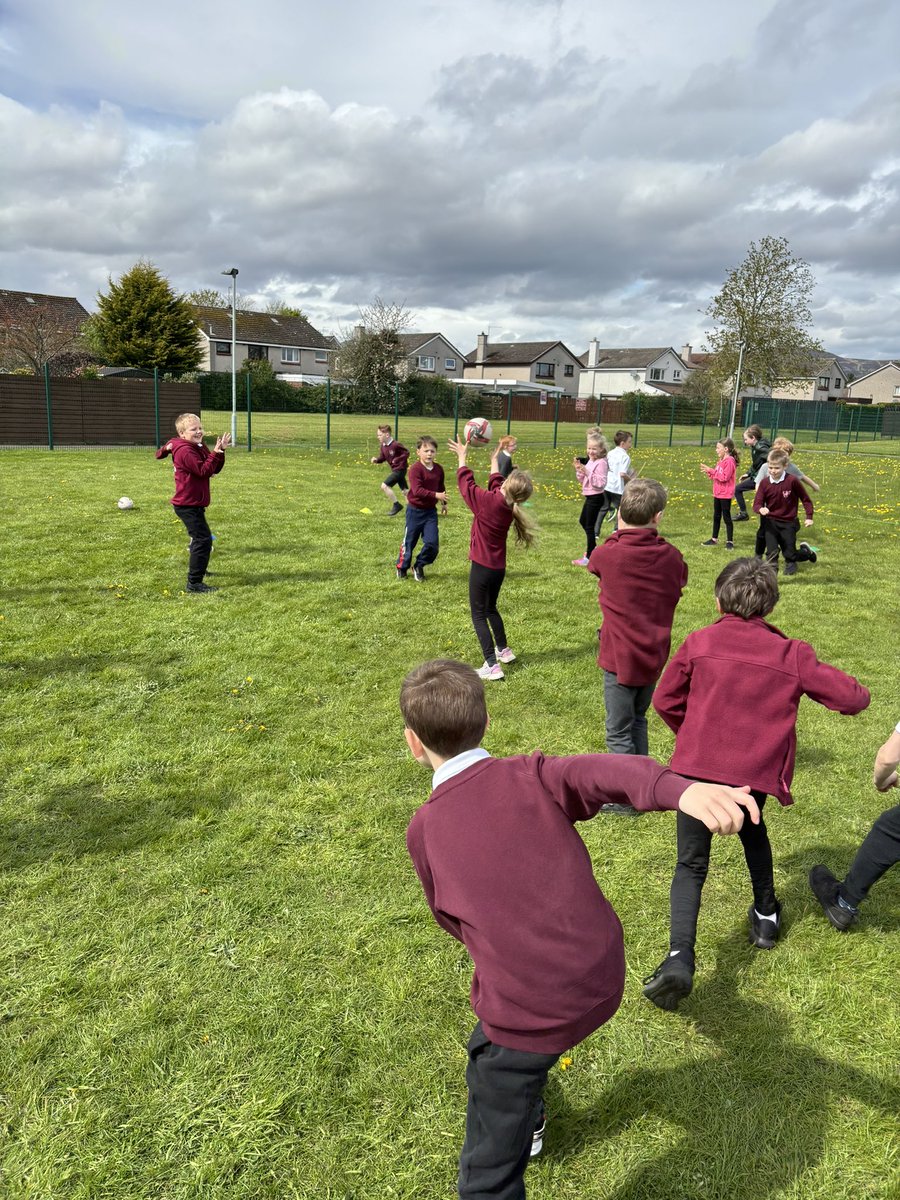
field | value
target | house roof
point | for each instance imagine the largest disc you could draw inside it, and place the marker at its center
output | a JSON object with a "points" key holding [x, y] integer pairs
{"points": [[510, 354], [881, 367], [626, 360], [65, 311], [413, 342], [259, 329], [859, 368]]}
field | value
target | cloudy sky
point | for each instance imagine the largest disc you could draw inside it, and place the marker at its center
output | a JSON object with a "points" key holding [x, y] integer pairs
{"points": [[535, 168]]}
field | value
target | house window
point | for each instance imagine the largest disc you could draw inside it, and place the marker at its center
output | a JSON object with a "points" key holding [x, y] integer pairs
{"points": [[838, 383], [223, 348], [425, 362], [321, 356], [290, 354], [676, 375], [657, 373], [545, 371], [824, 382], [255, 353], [897, 390], [449, 364], [568, 370]]}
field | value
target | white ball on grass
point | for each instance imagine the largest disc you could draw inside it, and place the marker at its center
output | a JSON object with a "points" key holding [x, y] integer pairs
{"points": [[124, 502]]}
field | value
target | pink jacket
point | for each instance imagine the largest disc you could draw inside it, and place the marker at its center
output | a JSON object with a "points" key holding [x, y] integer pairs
{"points": [[722, 475], [593, 476]]}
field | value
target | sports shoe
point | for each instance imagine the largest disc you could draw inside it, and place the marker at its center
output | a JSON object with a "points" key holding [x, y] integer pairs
{"points": [[580, 562], [810, 551], [710, 542], [401, 574], [826, 890], [729, 545], [790, 568], [490, 672], [537, 1138], [506, 655], [622, 810], [763, 932], [200, 587], [672, 980], [395, 508], [739, 517], [418, 575]]}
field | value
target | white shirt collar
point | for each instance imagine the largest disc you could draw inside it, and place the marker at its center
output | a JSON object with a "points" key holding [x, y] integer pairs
{"points": [[779, 479], [458, 763]]}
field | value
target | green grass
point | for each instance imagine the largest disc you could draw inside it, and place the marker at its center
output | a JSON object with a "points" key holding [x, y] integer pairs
{"points": [[219, 976]]}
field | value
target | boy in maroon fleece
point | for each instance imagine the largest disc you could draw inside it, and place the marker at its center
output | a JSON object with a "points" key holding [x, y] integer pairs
{"points": [[494, 834], [731, 722], [426, 488], [194, 463], [641, 578], [777, 498], [396, 456]]}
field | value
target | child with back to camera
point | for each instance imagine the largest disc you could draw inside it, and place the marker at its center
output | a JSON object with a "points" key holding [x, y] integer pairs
{"points": [[495, 510], [619, 474], [494, 835], [722, 476], [733, 723]]}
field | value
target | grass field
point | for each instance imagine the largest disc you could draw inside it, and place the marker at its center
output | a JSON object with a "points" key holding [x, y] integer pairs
{"points": [[219, 976]]}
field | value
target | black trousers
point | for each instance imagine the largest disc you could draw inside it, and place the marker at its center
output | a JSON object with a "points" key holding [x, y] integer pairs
{"points": [[590, 511], [694, 844], [504, 1108], [879, 852], [745, 485], [722, 510], [782, 535], [194, 520], [484, 588]]}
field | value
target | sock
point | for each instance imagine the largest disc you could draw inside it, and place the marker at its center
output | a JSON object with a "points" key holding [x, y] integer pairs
{"points": [[842, 903], [767, 916]]}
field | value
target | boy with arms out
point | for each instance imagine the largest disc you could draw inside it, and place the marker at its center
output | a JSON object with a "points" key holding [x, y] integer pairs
{"points": [[733, 723], [396, 456], [777, 499], [426, 488], [493, 834]]}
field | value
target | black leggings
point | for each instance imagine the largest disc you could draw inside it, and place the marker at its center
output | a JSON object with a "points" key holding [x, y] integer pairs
{"points": [[694, 842], [590, 510], [484, 588], [722, 508], [877, 854]]}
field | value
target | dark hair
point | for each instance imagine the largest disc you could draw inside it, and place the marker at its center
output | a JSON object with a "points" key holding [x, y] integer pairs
{"points": [[747, 587], [729, 447], [442, 702], [753, 431], [620, 436], [384, 429], [426, 440], [641, 500]]}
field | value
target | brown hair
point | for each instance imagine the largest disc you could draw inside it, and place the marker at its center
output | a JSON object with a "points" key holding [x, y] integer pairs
{"points": [[729, 448], [753, 431], [442, 702], [384, 429], [506, 441], [426, 440], [182, 419], [779, 458], [517, 487], [641, 500], [747, 587], [620, 436], [783, 443]]}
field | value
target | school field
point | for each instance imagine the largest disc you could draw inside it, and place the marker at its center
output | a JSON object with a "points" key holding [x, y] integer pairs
{"points": [[218, 976]]}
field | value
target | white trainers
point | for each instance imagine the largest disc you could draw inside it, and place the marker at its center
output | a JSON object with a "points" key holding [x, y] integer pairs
{"points": [[580, 562], [494, 672], [506, 655]]}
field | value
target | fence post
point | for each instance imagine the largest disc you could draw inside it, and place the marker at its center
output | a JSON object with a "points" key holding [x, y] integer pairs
{"points": [[637, 419], [599, 408], [456, 414], [508, 411], [776, 420], [837, 424], [328, 413], [249, 415], [849, 432], [49, 398], [818, 417], [156, 401], [396, 411], [703, 422], [796, 418], [556, 421], [671, 422]]}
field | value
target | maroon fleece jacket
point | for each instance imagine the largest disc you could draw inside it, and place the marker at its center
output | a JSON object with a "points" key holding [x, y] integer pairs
{"points": [[731, 694], [505, 872], [394, 454], [641, 578], [423, 485], [782, 499], [194, 465], [493, 517]]}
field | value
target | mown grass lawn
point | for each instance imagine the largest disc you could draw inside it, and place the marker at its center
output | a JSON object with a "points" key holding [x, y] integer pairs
{"points": [[219, 976]]}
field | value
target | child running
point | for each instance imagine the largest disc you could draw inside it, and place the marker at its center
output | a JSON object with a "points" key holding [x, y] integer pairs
{"points": [[396, 456], [426, 488], [495, 509], [780, 443], [591, 474], [505, 872], [731, 723], [777, 499], [723, 476], [620, 473]]}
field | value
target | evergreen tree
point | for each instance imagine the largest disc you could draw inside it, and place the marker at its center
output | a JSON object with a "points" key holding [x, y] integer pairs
{"points": [[142, 322]]}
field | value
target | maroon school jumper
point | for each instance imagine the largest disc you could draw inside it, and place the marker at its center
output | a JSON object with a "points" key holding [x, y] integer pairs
{"points": [[394, 454], [423, 485], [782, 499], [193, 467], [731, 694], [641, 578], [493, 517], [505, 872]]}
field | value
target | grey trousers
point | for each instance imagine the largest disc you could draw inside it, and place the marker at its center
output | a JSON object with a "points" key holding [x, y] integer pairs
{"points": [[626, 715]]}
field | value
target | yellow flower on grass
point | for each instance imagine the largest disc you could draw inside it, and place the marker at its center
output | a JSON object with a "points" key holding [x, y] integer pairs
{"points": [[565, 1063]]}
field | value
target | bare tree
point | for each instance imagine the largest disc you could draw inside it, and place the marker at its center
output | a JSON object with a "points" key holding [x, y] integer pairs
{"points": [[37, 337], [371, 354]]}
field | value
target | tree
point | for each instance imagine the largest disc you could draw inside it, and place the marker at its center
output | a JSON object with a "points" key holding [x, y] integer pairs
{"points": [[38, 337], [371, 355], [212, 298], [764, 303], [278, 308], [142, 322]]}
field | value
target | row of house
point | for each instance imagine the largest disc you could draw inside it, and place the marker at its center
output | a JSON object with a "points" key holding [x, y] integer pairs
{"points": [[299, 353]]}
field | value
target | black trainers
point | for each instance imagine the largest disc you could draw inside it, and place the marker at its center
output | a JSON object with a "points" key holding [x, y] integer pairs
{"points": [[811, 554], [729, 545], [200, 587], [763, 931], [401, 574], [826, 890], [790, 568], [742, 516], [710, 542], [672, 980], [397, 507], [621, 810], [418, 575], [537, 1138]]}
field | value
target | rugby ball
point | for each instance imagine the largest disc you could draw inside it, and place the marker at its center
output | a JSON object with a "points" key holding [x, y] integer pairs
{"points": [[124, 502], [478, 431]]}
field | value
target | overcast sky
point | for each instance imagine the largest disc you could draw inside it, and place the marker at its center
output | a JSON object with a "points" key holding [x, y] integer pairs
{"points": [[536, 168]]}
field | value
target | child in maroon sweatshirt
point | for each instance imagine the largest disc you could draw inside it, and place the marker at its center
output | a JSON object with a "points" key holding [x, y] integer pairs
{"points": [[496, 509], [777, 499], [493, 835], [396, 455], [194, 463], [426, 488], [735, 723]]}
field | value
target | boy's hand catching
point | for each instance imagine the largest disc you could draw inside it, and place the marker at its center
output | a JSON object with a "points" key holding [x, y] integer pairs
{"points": [[222, 443], [720, 808]]}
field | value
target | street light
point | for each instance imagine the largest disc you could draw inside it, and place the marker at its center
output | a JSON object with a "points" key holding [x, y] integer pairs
{"points": [[233, 272], [737, 388]]}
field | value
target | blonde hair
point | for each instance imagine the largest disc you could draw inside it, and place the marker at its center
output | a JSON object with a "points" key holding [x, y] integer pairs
{"points": [[506, 441], [517, 488], [782, 443], [599, 441], [184, 419]]}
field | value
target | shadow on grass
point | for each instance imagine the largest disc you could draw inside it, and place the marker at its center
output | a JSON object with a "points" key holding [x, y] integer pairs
{"points": [[74, 821], [753, 1115]]}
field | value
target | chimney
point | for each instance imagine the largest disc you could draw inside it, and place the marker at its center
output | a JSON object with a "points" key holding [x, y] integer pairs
{"points": [[686, 352], [593, 355], [359, 330], [481, 349]]}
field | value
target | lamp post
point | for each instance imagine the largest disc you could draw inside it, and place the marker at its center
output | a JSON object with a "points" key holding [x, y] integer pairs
{"points": [[737, 388], [233, 272]]}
